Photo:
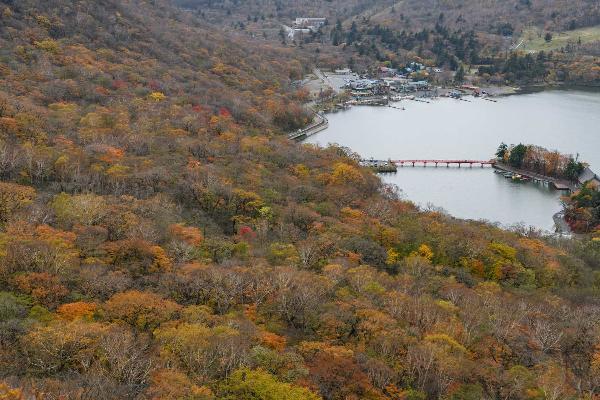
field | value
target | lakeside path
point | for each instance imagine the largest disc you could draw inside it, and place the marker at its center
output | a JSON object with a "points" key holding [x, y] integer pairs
{"points": [[319, 123]]}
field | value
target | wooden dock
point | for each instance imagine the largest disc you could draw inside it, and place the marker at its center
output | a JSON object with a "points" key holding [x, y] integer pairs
{"points": [[379, 166], [558, 184]]}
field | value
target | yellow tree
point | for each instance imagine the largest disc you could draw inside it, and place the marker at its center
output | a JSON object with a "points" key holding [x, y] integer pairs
{"points": [[143, 310], [14, 198], [346, 174]]}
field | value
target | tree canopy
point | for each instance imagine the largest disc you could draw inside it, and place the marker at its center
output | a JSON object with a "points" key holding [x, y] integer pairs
{"points": [[161, 238]]}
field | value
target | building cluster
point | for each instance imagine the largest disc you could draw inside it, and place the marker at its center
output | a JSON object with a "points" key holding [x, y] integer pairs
{"points": [[304, 25], [410, 78], [409, 69], [363, 84], [312, 24], [387, 80], [367, 87], [379, 86], [404, 84]]}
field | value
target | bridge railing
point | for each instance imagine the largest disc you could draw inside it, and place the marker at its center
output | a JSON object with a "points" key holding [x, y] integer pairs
{"points": [[432, 161]]}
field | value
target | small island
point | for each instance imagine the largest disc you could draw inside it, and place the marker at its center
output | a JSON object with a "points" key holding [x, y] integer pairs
{"points": [[581, 205], [535, 162]]}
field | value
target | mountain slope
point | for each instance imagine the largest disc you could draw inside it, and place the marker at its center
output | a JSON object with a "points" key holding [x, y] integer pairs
{"points": [[493, 16], [161, 238]]}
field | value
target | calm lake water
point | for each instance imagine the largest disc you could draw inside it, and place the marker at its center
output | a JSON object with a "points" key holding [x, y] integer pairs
{"points": [[565, 120]]}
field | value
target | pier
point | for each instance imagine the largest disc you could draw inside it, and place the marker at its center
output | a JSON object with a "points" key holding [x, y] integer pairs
{"points": [[379, 166], [558, 184]]}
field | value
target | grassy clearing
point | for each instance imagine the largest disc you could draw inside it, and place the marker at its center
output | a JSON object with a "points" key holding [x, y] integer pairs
{"points": [[534, 38]]}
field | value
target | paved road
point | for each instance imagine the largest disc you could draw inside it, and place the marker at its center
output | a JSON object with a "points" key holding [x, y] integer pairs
{"points": [[319, 123], [320, 75], [326, 80], [518, 45]]}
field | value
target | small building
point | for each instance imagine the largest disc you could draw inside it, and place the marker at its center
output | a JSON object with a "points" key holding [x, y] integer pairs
{"points": [[414, 67], [310, 21], [475, 89], [418, 85], [396, 83], [402, 84], [344, 71], [363, 84], [312, 24], [387, 72], [293, 33], [587, 175]]}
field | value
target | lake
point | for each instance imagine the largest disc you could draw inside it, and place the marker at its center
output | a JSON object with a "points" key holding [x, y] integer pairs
{"points": [[564, 120]]}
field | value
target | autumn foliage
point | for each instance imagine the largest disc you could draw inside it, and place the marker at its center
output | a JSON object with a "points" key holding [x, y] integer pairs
{"points": [[161, 238]]}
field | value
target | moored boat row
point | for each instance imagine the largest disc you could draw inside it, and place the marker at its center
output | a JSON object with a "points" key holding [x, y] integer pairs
{"points": [[514, 176]]}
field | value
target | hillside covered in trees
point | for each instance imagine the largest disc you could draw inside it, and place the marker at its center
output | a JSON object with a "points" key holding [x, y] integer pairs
{"points": [[281, 9], [582, 209], [492, 16], [160, 238], [517, 42]]}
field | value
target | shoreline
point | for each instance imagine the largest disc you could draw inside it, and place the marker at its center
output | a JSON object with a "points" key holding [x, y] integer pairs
{"points": [[560, 226], [420, 95], [542, 87], [558, 183], [491, 92]]}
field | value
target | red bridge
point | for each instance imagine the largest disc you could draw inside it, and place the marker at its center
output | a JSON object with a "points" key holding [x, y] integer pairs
{"points": [[424, 163]]}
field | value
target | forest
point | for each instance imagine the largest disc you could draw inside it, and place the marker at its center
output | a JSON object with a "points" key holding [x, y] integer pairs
{"points": [[487, 37], [452, 48], [493, 16], [161, 238], [582, 209]]}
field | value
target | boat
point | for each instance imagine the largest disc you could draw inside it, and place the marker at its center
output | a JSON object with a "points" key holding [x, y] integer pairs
{"points": [[519, 178]]}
